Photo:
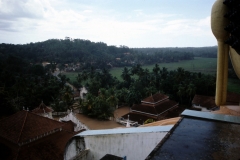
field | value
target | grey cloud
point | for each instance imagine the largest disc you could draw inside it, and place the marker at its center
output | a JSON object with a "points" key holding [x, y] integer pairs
{"points": [[13, 13], [12, 10], [6, 26]]}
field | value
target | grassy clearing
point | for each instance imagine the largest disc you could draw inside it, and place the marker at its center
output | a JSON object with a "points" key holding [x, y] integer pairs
{"points": [[203, 65], [198, 64], [71, 75]]}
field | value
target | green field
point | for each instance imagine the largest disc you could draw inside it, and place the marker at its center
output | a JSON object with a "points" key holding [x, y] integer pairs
{"points": [[203, 65], [71, 75]]}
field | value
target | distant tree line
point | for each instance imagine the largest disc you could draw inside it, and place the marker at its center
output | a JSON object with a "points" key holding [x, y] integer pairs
{"points": [[208, 52], [96, 54]]}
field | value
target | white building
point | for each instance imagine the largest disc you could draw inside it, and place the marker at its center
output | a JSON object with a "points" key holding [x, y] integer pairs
{"points": [[134, 143]]}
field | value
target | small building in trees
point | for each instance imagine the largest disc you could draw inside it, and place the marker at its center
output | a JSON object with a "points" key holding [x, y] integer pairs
{"points": [[43, 110], [203, 103]]}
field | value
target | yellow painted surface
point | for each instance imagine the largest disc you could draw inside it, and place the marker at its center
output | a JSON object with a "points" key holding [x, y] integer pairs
{"points": [[235, 58], [218, 22]]}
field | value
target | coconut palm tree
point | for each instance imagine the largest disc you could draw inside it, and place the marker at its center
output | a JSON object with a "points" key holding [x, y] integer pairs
{"points": [[67, 96], [191, 90]]}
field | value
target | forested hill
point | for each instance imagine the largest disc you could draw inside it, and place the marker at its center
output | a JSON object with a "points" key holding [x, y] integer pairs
{"points": [[98, 54], [65, 51], [210, 52]]}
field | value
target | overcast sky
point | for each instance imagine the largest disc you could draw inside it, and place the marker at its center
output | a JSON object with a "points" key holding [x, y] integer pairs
{"points": [[134, 23]]}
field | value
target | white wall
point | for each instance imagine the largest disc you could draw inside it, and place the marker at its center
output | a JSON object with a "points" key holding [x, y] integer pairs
{"points": [[135, 143], [71, 150], [135, 146]]}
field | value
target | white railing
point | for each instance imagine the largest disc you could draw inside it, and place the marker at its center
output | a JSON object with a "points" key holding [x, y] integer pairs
{"points": [[59, 113], [125, 121]]}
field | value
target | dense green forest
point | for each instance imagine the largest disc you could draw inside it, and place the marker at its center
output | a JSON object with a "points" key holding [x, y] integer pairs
{"points": [[98, 54], [25, 82], [25, 85]]}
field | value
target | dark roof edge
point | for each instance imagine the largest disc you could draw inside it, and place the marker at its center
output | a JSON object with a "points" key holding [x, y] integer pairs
{"points": [[211, 116], [152, 153]]}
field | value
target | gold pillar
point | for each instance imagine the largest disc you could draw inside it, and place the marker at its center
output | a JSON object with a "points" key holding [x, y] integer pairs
{"points": [[218, 22]]}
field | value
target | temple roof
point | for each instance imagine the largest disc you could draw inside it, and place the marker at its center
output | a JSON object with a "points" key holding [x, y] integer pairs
{"points": [[23, 126], [158, 109], [155, 98]]}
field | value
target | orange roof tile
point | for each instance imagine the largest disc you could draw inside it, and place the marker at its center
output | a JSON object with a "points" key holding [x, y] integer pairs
{"points": [[23, 126]]}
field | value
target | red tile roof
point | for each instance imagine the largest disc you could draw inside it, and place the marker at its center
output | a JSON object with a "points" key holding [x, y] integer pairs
{"points": [[155, 98], [23, 126], [48, 148], [165, 105], [156, 110], [144, 109], [209, 101], [204, 101], [42, 108]]}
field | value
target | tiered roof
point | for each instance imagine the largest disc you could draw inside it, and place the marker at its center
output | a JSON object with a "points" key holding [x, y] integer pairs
{"points": [[160, 108], [151, 107], [154, 99]]}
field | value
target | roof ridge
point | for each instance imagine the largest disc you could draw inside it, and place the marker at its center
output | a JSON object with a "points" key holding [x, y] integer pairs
{"points": [[22, 126]]}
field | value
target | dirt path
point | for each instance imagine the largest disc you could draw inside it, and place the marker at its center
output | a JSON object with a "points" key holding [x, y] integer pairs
{"points": [[97, 124]]}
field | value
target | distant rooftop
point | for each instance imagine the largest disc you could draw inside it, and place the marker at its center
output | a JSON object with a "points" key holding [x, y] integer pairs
{"points": [[204, 101], [156, 110], [153, 99]]}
